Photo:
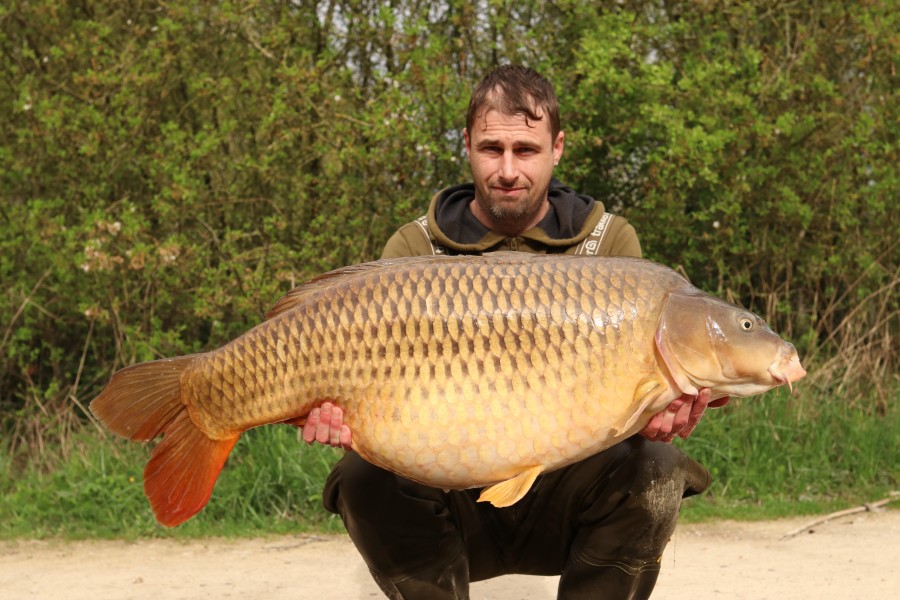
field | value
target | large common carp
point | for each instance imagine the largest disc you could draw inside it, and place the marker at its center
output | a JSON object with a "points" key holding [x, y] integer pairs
{"points": [[456, 372]]}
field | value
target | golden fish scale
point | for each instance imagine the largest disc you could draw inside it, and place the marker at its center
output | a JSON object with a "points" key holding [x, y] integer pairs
{"points": [[454, 371]]}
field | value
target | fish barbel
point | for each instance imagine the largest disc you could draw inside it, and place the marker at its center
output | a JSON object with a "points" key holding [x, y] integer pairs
{"points": [[456, 372]]}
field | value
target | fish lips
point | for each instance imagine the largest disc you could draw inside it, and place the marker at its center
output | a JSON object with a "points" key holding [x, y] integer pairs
{"points": [[787, 370]]}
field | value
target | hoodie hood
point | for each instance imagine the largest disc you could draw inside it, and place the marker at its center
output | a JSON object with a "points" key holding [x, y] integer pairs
{"points": [[571, 218]]}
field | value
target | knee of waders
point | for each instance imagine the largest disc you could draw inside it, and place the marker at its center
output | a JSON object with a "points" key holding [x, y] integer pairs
{"points": [[400, 527], [660, 475], [362, 492], [655, 462], [355, 485], [631, 514], [648, 479]]}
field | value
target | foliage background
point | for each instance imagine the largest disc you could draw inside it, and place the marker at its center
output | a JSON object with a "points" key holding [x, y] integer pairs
{"points": [[169, 169]]}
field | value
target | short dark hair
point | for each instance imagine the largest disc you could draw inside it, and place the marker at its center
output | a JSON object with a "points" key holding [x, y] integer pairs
{"points": [[513, 90]]}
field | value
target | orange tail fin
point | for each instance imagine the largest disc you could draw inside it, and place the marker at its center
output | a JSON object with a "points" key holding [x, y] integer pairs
{"points": [[144, 401]]}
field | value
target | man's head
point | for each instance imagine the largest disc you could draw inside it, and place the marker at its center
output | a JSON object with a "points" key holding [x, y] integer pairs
{"points": [[515, 90], [513, 141]]}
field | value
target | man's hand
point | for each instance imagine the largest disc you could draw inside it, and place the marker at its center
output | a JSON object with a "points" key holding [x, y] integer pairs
{"points": [[325, 425], [680, 417]]}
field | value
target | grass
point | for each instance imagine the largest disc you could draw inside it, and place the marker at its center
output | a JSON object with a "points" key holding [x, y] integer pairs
{"points": [[271, 484], [776, 456], [770, 456]]}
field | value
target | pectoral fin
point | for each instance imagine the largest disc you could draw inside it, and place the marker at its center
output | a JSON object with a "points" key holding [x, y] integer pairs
{"points": [[509, 492], [647, 392]]}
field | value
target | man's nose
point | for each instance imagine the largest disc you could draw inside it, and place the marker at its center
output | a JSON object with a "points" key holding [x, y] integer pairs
{"points": [[509, 168]]}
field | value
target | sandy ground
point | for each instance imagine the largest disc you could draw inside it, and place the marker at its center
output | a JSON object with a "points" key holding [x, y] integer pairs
{"points": [[853, 557]]}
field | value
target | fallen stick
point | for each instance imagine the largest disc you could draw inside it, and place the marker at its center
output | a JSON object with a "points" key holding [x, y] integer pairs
{"points": [[868, 506]]}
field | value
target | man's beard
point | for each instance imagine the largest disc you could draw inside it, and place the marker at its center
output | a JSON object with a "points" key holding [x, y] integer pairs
{"points": [[510, 218], [511, 214]]}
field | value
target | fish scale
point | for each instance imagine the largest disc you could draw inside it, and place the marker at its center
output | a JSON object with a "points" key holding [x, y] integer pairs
{"points": [[456, 372]]}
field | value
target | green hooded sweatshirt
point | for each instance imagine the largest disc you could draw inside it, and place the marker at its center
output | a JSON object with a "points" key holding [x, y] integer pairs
{"points": [[575, 224]]}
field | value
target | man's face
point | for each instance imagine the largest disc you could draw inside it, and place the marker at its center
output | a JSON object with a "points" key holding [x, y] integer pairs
{"points": [[512, 163]]}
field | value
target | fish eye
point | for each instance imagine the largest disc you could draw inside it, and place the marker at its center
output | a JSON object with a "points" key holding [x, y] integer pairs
{"points": [[746, 323]]}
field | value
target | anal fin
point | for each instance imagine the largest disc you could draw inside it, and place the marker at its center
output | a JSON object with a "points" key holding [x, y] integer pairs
{"points": [[507, 493], [183, 469]]}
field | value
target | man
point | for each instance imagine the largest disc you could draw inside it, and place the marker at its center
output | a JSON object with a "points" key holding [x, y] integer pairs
{"points": [[602, 523]]}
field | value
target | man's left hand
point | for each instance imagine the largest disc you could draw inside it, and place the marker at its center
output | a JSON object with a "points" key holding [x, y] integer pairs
{"points": [[680, 417]]}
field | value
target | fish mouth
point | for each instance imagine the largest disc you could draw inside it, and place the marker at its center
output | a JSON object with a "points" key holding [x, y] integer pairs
{"points": [[787, 370]]}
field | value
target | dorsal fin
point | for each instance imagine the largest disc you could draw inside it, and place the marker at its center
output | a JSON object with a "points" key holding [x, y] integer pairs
{"points": [[321, 282]]}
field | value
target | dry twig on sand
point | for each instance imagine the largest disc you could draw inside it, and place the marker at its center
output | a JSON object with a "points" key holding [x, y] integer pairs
{"points": [[868, 506]]}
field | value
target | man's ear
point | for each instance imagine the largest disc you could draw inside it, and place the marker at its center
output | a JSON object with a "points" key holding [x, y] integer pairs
{"points": [[467, 140], [558, 147]]}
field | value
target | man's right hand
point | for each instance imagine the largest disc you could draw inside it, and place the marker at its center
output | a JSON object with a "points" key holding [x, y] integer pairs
{"points": [[680, 417], [325, 424]]}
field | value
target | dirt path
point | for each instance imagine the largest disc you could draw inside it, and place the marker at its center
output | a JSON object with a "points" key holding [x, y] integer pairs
{"points": [[856, 557]]}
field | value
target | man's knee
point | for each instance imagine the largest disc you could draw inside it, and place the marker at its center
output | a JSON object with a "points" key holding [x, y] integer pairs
{"points": [[355, 484], [662, 469], [358, 487], [400, 527], [631, 514]]}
